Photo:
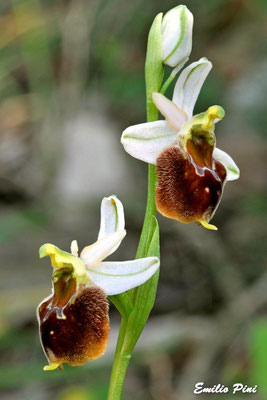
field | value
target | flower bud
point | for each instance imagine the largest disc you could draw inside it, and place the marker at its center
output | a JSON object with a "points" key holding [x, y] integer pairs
{"points": [[177, 26], [74, 323], [190, 182]]}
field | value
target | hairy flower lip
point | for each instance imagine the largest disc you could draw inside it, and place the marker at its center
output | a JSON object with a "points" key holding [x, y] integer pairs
{"points": [[195, 143], [185, 191], [82, 334]]}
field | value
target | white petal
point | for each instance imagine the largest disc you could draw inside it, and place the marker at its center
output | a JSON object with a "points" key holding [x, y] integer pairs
{"points": [[112, 217], [94, 254], [74, 248], [231, 167], [189, 83], [146, 141], [177, 25], [117, 277], [174, 116]]}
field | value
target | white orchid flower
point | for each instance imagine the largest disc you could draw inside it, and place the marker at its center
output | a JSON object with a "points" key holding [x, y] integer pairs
{"points": [[74, 324], [177, 26], [191, 171]]}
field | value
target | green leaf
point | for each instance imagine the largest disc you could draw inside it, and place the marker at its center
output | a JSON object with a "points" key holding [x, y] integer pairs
{"points": [[145, 294], [123, 304], [123, 301], [153, 239]]}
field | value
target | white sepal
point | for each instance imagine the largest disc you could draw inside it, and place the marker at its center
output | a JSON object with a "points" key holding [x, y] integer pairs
{"points": [[118, 277], [177, 26], [174, 116], [112, 217], [188, 85], [93, 255], [146, 141], [227, 161]]}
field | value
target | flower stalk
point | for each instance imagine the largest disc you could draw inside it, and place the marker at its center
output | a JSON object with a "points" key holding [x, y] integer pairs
{"points": [[143, 297]]}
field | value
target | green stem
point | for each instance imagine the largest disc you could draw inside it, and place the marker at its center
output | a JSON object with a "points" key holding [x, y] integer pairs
{"points": [[120, 365], [167, 84], [132, 326], [172, 75], [150, 211], [123, 353]]}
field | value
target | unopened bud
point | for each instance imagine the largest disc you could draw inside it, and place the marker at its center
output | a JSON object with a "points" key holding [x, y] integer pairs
{"points": [[177, 26]]}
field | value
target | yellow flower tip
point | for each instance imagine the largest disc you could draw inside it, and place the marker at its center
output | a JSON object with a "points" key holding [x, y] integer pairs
{"points": [[216, 112], [52, 367], [208, 226], [46, 249]]}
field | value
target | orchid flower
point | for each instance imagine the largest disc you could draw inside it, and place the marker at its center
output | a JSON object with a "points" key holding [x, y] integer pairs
{"points": [[74, 323], [191, 171]]}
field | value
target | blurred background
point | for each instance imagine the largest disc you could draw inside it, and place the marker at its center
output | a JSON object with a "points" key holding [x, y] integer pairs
{"points": [[71, 79]]}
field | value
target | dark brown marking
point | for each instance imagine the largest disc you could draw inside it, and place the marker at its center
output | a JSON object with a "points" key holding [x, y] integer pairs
{"points": [[182, 182], [79, 322]]}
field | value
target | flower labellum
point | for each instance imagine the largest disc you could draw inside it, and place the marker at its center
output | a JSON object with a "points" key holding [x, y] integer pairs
{"points": [[190, 181], [177, 26], [73, 320]]}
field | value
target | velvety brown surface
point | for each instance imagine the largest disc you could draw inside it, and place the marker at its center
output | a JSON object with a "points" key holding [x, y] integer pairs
{"points": [[74, 327], [187, 191]]}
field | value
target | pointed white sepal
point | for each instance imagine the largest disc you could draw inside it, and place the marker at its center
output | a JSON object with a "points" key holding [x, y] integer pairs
{"points": [[118, 277], [227, 161], [146, 141], [188, 85], [93, 255], [112, 217], [177, 26]]}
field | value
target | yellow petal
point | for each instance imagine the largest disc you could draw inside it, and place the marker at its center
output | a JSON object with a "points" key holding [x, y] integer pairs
{"points": [[207, 225], [52, 367]]}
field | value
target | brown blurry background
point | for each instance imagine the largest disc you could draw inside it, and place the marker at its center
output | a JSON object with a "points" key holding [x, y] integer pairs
{"points": [[71, 79]]}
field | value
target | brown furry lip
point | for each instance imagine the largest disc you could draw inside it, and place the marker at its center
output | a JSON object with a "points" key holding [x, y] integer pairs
{"points": [[74, 323], [189, 186]]}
